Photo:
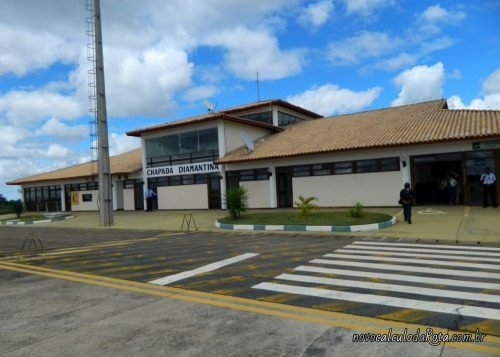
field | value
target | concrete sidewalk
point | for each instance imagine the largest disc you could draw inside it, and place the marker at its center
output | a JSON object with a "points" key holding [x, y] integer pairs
{"points": [[451, 223]]}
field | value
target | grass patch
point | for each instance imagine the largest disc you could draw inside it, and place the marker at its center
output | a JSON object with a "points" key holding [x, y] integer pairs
{"points": [[31, 217], [315, 219]]}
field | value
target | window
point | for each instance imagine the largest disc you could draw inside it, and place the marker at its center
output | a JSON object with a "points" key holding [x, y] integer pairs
{"points": [[187, 179], [321, 169], [235, 177], [262, 117], [389, 164], [285, 119], [189, 142], [366, 166], [87, 197], [342, 167], [303, 170], [208, 140], [247, 175]]}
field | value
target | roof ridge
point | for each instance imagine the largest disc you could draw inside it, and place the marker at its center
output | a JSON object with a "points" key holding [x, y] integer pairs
{"points": [[389, 108]]}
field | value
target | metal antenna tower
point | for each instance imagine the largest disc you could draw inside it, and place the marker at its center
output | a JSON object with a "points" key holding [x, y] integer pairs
{"points": [[105, 187]]}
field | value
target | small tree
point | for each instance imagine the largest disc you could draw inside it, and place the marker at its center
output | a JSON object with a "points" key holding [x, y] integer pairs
{"points": [[17, 206], [236, 201], [306, 205], [357, 210]]}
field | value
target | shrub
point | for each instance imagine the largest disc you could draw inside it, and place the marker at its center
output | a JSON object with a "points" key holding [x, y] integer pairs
{"points": [[236, 201], [305, 205], [17, 207], [357, 210]]}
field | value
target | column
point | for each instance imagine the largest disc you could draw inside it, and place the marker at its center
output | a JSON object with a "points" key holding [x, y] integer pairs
{"points": [[272, 187]]}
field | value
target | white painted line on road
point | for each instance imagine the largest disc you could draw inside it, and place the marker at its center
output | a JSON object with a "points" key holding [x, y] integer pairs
{"points": [[409, 289], [400, 277], [399, 254], [418, 250], [441, 307], [474, 274], [438, 246], [414, 261], [203, 269]]}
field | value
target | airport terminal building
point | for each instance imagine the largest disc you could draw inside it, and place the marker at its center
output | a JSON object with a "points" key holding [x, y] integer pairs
{"points": [[278, 151]]}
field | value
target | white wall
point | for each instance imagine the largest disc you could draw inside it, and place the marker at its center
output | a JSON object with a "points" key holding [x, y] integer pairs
{"points": [[232, 134], [371, 189], [258, 193], [85, 206], [183, 197], [128, 199]]}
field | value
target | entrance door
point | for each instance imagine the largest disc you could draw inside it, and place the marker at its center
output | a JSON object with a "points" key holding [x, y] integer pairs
{"points": [[284, 187], [430, 177], [476, 163], [214, 199], [138, 196], [67, 197]]}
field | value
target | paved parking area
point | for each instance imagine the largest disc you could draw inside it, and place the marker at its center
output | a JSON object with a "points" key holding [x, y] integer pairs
{"points": [[290, 269]]}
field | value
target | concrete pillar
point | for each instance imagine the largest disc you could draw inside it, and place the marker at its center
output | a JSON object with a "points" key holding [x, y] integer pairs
{"points": [[63, 199], [272, 187], [223, 186]]}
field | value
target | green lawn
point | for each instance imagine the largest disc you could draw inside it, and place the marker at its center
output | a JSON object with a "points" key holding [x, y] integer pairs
{"points": [[31, 217], [316, 219]]}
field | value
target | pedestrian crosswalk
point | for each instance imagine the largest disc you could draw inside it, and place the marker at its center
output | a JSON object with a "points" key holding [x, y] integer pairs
{"points": [[456, 280]]}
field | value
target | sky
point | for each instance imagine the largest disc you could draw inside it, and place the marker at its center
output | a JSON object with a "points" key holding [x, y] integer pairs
{"points": [[163, 59]]}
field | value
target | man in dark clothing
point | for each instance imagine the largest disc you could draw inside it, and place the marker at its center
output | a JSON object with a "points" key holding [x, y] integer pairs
{"points": [[406, 198]]}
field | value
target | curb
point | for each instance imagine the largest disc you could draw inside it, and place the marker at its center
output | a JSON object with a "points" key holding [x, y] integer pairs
{"points": [[260, 227], [20, 223]]}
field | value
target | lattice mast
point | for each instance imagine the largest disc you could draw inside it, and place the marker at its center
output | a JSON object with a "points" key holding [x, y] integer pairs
{"points": [[105, 187]]}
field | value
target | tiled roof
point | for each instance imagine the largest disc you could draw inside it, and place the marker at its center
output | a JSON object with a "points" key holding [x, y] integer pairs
{"points": [[420, 123], [201, 119], [125, 164]]}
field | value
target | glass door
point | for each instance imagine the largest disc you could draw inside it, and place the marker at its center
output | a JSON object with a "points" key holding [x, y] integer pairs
{"points": [[475, 164]]}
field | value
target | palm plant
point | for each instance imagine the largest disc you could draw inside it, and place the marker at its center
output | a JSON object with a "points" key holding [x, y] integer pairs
{"points": [[236, 201], [306, 205]]}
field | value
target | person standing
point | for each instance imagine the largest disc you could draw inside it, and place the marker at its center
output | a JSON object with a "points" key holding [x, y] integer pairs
{"points": [[406, 198], [149, 199], [452, 184], [489, 180]]}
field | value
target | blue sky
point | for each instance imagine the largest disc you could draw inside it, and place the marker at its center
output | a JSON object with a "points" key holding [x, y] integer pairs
{"points": [[164, 58]]}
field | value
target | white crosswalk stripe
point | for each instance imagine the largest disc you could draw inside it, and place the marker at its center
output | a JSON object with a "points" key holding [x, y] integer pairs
{"points": [[347, 274]]}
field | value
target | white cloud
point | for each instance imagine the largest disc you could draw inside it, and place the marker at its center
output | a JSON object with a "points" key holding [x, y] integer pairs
{"points": [[491, 84], [20, 107], [365, 7], [10, 135], [330, 99], [54, 127], [435, 16], [251, 51], [490, 98], [437, 44], [120, 143], [419, 83], [365, 45], [24, 50], [316, 14], [393, 63], [145, 83], [201, 92], [56, 151]]}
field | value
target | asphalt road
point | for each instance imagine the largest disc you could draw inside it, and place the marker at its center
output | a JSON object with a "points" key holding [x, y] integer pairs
{"points": [[325, 273]]}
